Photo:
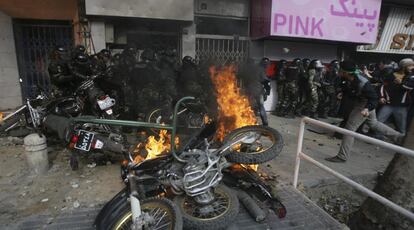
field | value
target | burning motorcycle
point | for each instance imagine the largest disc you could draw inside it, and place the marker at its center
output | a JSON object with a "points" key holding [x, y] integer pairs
{"points": [[202, 181]]}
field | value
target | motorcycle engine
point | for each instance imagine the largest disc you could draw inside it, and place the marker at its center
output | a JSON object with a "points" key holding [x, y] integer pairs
{"points": [[199, 175]]}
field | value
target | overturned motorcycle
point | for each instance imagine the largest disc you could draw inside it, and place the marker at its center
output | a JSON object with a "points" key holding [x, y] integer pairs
{"points": [[198, 187]]}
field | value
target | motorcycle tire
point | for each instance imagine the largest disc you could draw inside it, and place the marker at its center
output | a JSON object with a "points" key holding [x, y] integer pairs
{"points": [[194, 220], [255, 157], [122, 219], [158, 115]]}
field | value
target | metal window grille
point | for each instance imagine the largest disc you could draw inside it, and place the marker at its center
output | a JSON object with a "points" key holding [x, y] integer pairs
{"points": [[34, 42], [221, 49]]}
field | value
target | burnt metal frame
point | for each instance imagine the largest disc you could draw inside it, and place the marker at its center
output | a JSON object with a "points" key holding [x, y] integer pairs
{"points": [[172, 127]]}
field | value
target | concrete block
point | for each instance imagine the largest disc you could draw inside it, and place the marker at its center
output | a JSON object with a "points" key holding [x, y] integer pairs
{"points": [[36, 153]]}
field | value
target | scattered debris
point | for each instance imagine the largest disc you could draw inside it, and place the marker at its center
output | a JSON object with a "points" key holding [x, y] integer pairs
{"points": [[76, 204], [91, 165]]}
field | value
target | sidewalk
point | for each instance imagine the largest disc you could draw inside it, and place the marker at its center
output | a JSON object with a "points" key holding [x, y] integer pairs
{"points": [[302, 214], [365, 163]]}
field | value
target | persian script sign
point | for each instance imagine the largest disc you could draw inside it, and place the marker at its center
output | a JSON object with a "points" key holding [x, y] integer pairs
{"points": [[337, 20]]}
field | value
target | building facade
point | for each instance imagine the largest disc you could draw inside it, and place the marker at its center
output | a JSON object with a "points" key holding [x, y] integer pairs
{"points": [[227, 31]]}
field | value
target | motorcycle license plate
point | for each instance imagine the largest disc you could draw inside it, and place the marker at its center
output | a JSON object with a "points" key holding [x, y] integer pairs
{"points": [[106, 103], [85, 139]]}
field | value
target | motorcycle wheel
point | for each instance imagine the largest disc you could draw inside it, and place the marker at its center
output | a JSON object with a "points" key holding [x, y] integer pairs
{"points": [[217, 215], [267, 145], [156, 116], [165, 213]]}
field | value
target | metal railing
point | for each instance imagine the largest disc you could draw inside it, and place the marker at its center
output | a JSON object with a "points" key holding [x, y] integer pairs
{"points": [[300, 155]]}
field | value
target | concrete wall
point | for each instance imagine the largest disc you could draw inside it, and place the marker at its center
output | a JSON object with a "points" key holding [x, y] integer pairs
{"points": [[10, 92], [228, 8], [98, 35], [159, 9], [189, 41], [44, 10]]}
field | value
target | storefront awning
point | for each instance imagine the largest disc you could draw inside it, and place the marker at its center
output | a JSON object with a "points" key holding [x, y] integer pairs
{"points": [[396, 36], [182, 10]]}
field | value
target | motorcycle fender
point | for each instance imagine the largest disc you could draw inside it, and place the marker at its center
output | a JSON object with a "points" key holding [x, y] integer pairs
{"points": [[111, 208]]}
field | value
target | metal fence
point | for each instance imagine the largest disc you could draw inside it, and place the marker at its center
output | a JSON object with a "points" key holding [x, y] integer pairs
{"points": [[222, 49], [300, 155]]}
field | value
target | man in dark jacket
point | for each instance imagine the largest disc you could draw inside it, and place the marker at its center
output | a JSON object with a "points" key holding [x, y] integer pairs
{"points": [[396, 98], [364, 110]]}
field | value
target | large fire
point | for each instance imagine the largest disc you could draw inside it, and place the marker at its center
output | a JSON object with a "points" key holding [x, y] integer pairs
{"points": [[235, 110], [155, 146]]}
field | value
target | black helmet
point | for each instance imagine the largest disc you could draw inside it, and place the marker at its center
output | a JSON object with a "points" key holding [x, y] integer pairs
{"points": [[188, 60], [105, 53], [81, 58], [335, 64], [61, 50], [80, 49], [265, 61], [297, 62], [316, 64]]}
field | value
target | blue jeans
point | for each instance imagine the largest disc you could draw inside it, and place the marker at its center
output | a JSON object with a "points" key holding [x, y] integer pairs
{"points": [[399, 114]]}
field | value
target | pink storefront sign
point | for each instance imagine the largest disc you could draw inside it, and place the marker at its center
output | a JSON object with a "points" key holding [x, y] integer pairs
{"points": [[337, 20]]}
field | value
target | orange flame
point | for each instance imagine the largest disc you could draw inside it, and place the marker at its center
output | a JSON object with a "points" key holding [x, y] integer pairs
{"points": [[235, 110], [155, 147]]}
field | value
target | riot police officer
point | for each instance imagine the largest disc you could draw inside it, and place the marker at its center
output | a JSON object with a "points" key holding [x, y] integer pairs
{"points": [[58, 69], [280, 85], [315, 72], [290, 99], [333, 83], [303, 86]]}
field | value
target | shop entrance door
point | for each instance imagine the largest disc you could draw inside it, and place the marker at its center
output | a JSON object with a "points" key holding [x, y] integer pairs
{"points": [[35, 39]]}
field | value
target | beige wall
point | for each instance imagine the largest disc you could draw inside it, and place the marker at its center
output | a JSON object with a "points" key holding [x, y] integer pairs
{"points": [[157, 9], [44, 10], [10, 91]]}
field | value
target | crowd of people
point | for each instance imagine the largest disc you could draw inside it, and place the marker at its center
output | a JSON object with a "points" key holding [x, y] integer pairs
{"points": [[142, 80], [355, 93]]}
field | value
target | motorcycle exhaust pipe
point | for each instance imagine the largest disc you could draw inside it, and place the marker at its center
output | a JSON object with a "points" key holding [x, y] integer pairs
{"points": [[252, 208]]}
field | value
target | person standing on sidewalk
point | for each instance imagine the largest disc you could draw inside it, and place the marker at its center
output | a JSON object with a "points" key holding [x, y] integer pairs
{"points": [[395, 96], [366, 101]]}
